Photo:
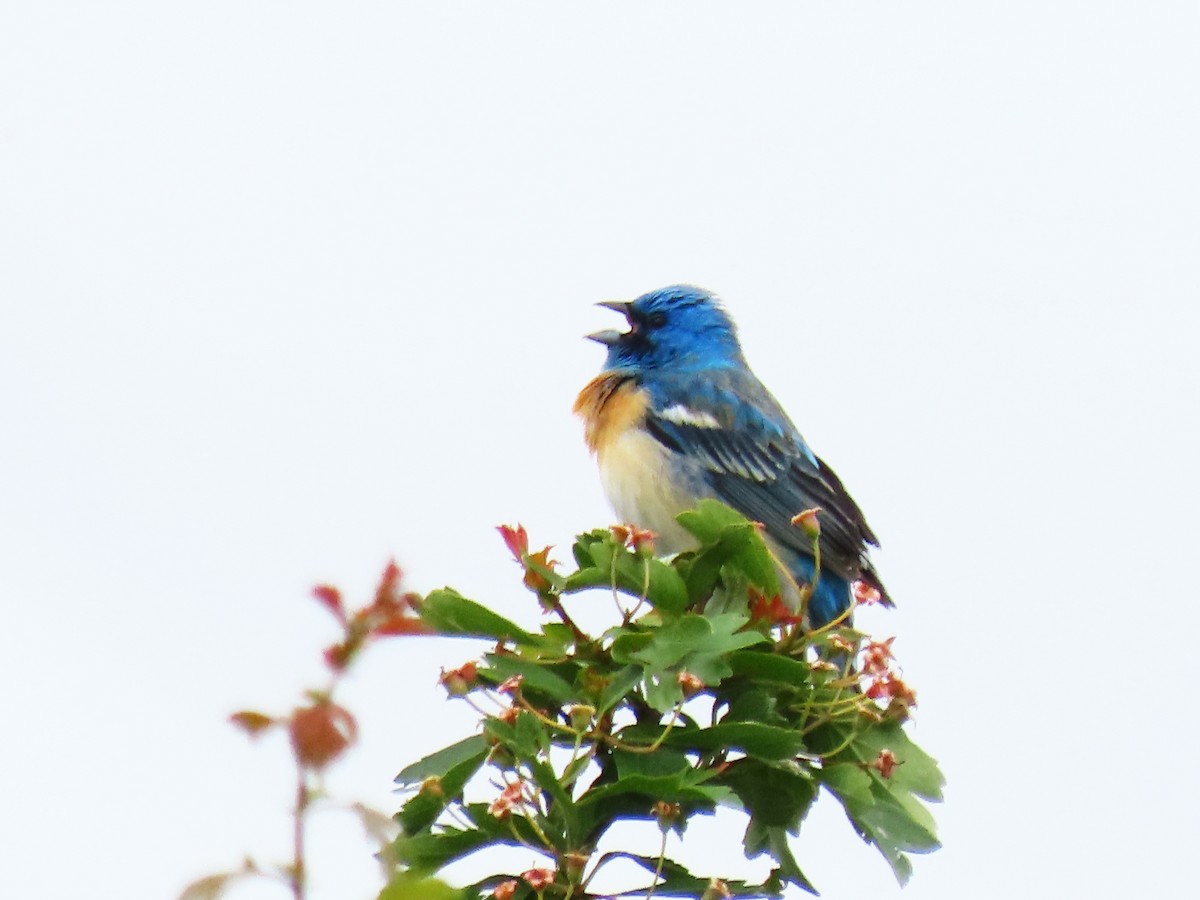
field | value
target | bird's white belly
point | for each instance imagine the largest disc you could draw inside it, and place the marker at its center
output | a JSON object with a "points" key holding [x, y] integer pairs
{"points": [[637, 474]]}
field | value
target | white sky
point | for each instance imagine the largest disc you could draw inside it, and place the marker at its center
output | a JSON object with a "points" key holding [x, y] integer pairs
{"points": [[289, 288]]}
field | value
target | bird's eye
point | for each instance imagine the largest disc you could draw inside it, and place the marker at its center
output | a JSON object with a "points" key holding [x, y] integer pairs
{"points": [[657, 320]]}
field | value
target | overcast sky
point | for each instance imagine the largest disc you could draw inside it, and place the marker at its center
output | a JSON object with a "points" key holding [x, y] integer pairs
{"points": [[287, 289]]}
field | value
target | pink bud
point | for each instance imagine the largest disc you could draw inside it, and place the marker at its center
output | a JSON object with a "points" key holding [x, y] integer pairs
{"points": [[885, 763], [459, 682], [515, 539], [538, 879], [690, 684], [807, 522]]}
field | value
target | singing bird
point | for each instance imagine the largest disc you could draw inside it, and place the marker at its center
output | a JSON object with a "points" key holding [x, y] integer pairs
{"points": [[676, 416]]}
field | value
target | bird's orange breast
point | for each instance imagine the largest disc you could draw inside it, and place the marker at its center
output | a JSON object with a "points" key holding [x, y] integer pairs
{"points": [[610, 405], [638, 473]]}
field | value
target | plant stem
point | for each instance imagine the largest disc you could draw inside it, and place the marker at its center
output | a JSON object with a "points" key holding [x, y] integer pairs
{"points": [[298, 816], [645, 590], [662, 854], [643, 748]]}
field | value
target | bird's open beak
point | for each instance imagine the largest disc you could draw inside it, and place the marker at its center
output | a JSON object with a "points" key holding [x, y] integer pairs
{"points": [[610, 336]]}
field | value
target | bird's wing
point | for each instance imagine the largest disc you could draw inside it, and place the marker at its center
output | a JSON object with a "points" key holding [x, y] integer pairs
{"points": [[757, 462]]}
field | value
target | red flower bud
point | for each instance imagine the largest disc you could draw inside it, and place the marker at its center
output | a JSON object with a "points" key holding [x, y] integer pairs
{"points": [[539, 879], [642, 542], [253, 723], [388, 583], [512, 797], [890, 686], [885, 763], [459, 682], [865, 595], [837, 642], [876, 656], [773, 611], [510, 685], [690, 684], [665, 812], [320, 733], [337, 657], [716, 890], [331, 599], [398, 624], [575, 863], [534, 579], [516, 540], [581, 716], [807, 522]]}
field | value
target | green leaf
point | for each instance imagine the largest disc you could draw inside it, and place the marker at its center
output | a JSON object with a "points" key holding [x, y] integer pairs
{"points": [[766, 742], [558, 636], [848, 781], [522, 743], [676, 788], [701, 572], [676, 881], [537, 677], [450, 613], [443, 761], [778, 795], [561, 824], [428, 852], [662, 761], [673, 641], [581, 549], [894, 821], [773, 840], [710, 519], [405, 887], [693, 643], [893, 826], [627, 644], [618, 687], [663, 691], [629, 789], [767, 666], [916, 811], [532, 738], [667, 591], [727, 538], [573, 770], [755, 705], [693, 636], [422, 810], [915, 770]]}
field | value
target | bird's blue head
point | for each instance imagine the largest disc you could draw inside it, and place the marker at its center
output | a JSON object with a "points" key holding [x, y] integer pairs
{"points": [[681, 328]]}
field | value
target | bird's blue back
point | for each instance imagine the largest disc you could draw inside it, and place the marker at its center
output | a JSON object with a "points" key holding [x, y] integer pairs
{"points": [[676, 415]]}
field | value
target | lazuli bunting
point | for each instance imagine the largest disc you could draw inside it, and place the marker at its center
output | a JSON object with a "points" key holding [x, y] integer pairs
{"points": [[676, 416]]}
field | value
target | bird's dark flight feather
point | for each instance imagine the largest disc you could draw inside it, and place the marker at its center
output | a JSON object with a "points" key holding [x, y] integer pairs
{"points": [[756, 462]]}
